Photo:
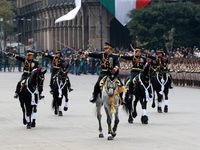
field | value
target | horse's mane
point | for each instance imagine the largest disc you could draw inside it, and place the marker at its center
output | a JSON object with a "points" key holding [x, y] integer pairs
{"points": [[33, 75]]}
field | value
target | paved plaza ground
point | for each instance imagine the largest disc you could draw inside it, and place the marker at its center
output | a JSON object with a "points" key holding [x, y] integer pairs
{"points": [[77, 129]]}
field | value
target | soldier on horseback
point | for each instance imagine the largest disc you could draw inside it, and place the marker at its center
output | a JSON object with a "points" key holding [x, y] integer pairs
{"points": [[109, 63], [159, 59], [57, 61], [29, 64], [138, 62]]}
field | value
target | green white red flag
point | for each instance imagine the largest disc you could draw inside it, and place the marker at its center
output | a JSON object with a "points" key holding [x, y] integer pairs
{"points": [[120, 8]]}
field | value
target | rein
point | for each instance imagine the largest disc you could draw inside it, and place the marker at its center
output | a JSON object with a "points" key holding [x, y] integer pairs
{"points": [[60, 87], [33, 94], [146, 89], [162, 83]]}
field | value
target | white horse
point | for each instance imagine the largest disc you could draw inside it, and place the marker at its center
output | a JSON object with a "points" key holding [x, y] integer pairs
{"points": [[111, 101]]}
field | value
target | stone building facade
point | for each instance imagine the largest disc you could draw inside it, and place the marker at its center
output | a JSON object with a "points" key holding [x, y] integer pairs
{"points": [[38, 16]]}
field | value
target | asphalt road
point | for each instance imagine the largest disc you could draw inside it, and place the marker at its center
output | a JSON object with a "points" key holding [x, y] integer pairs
{"points": [[77, 129]]}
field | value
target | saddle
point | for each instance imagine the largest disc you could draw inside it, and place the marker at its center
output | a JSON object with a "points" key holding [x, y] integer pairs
{"points": [[22, 84], [134, 84]]}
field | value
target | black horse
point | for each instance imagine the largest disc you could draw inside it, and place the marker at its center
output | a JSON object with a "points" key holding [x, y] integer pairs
{"points": [[60, 82], [161, 86], [143, 91], [29, 96]]}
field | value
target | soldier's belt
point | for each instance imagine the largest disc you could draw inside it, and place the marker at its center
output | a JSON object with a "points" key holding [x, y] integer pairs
{"points": [[136, 69], [26, 71], [56, 67], [104, 69]]}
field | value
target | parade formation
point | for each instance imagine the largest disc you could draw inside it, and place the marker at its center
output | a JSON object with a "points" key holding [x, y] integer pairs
{"points": [[149, 75]]}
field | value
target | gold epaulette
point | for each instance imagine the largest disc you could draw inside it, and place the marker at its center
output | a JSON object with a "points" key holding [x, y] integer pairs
{"points": [[15, 55]]}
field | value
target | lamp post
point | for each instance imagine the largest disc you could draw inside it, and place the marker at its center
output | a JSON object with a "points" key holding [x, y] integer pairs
{"points": [[1, 19]]}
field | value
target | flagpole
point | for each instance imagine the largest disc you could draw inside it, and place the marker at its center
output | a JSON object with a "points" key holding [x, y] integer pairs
{"points": [[101, 22]]}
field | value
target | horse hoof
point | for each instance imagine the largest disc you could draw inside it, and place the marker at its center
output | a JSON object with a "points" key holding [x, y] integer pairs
{"points": [[101, 135], [130, 120], [134, 114], [153, 105], [29, 125], [166, 109], [114, 134], [55, 112], [159, 110], [110, 138], [144, 119], [33, 124], [24, 121], [65, 108], [60, 113]]}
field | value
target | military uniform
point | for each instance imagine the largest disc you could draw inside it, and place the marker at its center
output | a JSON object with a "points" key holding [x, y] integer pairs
{"points": [[29, 65], [56, 62], [109, 63], [138, 63]]}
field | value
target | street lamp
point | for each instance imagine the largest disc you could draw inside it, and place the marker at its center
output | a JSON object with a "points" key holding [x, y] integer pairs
{"points": [[1, 19]]}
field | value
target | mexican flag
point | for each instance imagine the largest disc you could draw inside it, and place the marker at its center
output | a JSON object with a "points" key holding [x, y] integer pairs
{"points": [[120, 8]]}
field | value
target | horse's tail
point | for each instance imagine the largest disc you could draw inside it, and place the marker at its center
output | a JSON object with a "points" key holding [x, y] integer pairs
{"points": [[53, 103], [128, 106]]}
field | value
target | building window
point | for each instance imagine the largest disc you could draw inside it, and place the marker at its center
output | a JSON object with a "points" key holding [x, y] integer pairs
{"points": [[38, 5], [49, 3], [65, 1], [53, 2]]}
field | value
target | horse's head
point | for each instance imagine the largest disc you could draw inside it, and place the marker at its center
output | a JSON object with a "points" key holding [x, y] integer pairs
{"points": [[148, 70], [163, 66], [63, 71], [37, 77], [111, 84]]}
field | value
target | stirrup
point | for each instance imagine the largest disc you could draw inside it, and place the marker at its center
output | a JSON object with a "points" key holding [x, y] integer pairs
{"points": [[93, 100], [16, 95], [70, 89]]}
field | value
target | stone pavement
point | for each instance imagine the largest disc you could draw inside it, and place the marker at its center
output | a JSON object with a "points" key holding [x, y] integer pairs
{"points": [[77, 129]]}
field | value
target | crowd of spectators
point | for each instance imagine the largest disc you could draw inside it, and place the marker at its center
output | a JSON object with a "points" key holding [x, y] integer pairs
{"points": [[85, 65]]}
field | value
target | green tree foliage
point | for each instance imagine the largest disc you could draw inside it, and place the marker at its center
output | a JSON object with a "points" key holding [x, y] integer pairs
{"points": [[157, 19], [6, 12]]}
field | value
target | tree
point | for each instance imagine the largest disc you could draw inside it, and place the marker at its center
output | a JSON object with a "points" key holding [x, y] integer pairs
{"points": [[151, 23], [6, 12]]}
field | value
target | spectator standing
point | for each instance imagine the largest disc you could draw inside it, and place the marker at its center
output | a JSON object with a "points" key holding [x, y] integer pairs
{"points": [[12, 63], [72, 64], [6, 62], [97, 66], [93, 66], [39, 58], [1, 60], [77, 64], [85, 65]]}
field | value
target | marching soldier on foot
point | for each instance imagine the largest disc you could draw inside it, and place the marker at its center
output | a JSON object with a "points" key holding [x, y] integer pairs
{"points": [[57, 61]]}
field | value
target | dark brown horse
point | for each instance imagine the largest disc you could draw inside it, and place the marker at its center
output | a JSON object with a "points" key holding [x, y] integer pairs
{"points": [[29, 96], [143, 92]]}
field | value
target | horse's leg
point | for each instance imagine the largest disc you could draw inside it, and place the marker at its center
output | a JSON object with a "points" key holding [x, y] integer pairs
{"points": [[23, 110], [153, 103], [28, 111], [99, 104], [109, 120], [159, 109], [116, 122], [59, 106], [66, 101], [144, 118], [54, 103], [34, 116], [166, 100], [134, 114], [128, 106]]}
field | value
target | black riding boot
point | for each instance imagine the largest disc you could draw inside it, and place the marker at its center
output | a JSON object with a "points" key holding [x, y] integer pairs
{"points": [[17, 90], [95, 93], [170, 82], [69, 85], [121, 96]]}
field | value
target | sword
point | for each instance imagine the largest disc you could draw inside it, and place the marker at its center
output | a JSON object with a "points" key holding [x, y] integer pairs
{"points": [[63, 44]]}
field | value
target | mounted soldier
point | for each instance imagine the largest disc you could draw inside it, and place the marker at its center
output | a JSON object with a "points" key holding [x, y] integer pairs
{"points": [[109, 63], [57, 61], [138, 62], [159, 58], [29, 64]]}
